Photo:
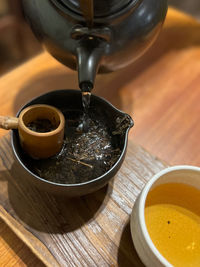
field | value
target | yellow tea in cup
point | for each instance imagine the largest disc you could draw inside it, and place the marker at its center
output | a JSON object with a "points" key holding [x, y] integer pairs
{"points": [[172, 216]]}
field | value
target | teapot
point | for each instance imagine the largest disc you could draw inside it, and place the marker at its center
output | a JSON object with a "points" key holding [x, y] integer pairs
{"points": [[95, 36]]}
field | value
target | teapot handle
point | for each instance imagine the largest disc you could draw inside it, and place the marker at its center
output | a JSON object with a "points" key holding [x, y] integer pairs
{"points": [[87, 7], [8, 123]]}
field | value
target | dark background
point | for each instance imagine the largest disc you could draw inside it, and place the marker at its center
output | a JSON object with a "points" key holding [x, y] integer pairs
{"points": [[18, 44]]}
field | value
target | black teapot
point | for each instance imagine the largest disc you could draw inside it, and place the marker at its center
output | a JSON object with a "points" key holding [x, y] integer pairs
{"points": [[95, 35]]}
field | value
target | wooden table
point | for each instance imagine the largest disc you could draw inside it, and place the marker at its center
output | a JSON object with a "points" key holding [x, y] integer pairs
{"points": [[161, 92]]}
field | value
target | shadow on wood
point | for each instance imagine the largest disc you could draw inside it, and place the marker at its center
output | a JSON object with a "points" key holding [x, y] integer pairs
{"points": [[127, 255], [39, 210], [47, 213]]}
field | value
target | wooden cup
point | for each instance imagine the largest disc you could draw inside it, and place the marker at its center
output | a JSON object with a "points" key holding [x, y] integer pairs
{"points": [[38, 145]]}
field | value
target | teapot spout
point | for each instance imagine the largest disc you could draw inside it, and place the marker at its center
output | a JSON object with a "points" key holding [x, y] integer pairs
{"points": [[89, 55]]}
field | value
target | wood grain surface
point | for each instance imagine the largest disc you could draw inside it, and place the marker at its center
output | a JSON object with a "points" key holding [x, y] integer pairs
{"points": [[93, 230], [161, 91]]}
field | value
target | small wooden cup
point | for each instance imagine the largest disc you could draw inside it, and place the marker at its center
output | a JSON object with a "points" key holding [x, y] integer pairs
{"points": [[38, 145]]}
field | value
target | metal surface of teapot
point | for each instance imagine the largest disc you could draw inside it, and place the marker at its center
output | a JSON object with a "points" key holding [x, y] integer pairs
{"points": [[94, 36]]}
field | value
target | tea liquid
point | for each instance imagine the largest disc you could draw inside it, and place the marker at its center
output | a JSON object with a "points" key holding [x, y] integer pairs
{"points": [[86, 88], [172, 216], [86, 96]]}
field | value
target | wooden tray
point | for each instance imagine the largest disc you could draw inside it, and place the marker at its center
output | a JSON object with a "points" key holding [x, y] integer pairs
{"points": [[92, 230]]}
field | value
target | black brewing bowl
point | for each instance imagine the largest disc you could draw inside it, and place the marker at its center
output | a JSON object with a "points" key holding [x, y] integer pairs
{"points": [[71, 100]]}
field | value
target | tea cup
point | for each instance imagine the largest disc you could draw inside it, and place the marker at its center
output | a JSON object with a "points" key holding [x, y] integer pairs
{"points": [[144, 244]]}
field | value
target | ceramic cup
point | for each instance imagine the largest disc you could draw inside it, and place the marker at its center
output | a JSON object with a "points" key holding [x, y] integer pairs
{"points": [[144, 246]]}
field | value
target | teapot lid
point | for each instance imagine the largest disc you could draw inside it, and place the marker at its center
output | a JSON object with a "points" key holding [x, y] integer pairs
{"points": [[102, 8]]}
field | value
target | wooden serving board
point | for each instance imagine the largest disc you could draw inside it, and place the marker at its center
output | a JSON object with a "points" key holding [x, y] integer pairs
{"points": [[92, 230]]}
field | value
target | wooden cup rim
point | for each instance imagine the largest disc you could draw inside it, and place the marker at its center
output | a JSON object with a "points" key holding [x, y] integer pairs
{"points": [[46, 134]]}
